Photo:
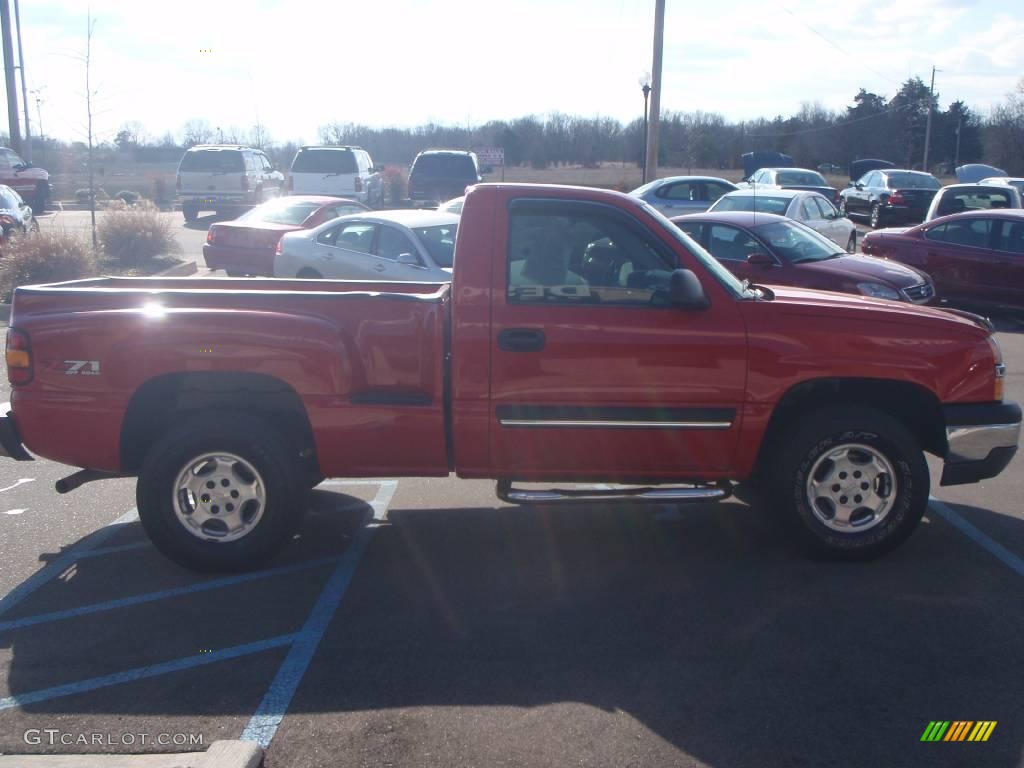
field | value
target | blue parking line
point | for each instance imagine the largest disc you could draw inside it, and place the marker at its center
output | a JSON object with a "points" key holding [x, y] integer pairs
{"points": [[163, 594], [272, 709], [64, 561], [977, 536], [141, 673]]}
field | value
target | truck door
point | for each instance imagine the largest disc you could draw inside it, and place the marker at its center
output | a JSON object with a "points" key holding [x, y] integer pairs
{"points": [[594, 375]]}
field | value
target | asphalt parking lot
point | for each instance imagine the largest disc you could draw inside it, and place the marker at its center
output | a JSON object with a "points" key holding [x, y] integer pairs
{"points": [[422, 623]]}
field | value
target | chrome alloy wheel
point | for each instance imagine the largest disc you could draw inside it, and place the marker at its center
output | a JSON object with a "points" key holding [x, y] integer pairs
{"points": [[851, 488], [219, 497]]}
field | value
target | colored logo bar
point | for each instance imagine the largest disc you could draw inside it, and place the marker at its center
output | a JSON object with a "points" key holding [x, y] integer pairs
{"points": [[958, 730]]}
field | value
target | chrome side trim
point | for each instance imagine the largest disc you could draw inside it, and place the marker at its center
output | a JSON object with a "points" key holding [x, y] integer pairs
{"points": [[975, 442], [650, 494], [616, 424]]}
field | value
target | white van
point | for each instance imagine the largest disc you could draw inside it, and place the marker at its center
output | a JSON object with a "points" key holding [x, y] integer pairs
{"points": [[225, 178], [336, 171]]}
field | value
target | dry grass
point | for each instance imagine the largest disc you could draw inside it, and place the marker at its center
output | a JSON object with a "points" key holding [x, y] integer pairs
{"points": [[45, 257], [132, 236]]}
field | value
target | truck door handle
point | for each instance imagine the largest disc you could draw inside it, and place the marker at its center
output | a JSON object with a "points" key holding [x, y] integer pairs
{"points": [[521, 340]]}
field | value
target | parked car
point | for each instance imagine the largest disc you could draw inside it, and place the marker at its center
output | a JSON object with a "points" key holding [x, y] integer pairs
{"points": [[791, 178], [889, 196], [808, 208], [656, 365], [440, 174], [339, 171], [752, 161], [383, 245], [30, 182], [766, 248], [1003, 181], [225, 178], [974, 258], [453, 206], [246, 245], [16, 216], [972, 173], [957, 198], [676, 195]]}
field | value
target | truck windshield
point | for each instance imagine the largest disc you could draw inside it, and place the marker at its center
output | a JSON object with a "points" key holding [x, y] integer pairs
{"points": [[709, 262]]}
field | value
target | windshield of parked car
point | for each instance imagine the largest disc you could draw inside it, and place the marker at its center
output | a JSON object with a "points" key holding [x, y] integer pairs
{"points": [[456, 166], [212, 161], [796, 243], [912, 181], [324, 161], [759, 203], [801, 177], [281, 211], [439, 242], [726, 278]]}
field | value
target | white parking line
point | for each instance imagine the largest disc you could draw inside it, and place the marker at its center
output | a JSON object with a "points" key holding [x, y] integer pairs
{"points": [[21, 481], [947, 513], [16, 511], [64, 561]]}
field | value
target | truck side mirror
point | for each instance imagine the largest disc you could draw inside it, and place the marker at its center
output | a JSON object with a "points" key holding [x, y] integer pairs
{"points": [[760, 260], [686, 292], [408, 258]]}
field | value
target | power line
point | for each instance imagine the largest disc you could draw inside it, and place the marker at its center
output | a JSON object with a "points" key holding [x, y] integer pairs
{"points": [[834, 125]]}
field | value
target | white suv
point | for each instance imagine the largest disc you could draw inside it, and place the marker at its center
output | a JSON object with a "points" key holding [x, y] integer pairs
{"points": [[222, 177], [337, 171]]}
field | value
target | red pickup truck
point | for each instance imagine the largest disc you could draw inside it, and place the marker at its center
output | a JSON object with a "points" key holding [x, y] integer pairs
{"points": [[584, 339]]}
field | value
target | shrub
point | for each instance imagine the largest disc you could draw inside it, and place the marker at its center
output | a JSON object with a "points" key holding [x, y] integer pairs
{"points": [[132, 236], [46, 257], [161, 193], [82, 195], [129, 196], [394, 184]]}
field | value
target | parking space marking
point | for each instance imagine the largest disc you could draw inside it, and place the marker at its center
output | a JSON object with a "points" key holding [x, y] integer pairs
{"points": [[272, 709], [16, 511], [976, 535], [163, 594], [21, 481], [64, 561], [141, 673]]}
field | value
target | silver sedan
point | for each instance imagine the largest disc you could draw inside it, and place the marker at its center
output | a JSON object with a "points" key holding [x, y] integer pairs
{"points": [[808, 208], [415, 246]]}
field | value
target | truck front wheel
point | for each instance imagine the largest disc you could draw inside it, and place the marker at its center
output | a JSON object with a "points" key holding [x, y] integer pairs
{"points": [[221, 493], [853, 481]]}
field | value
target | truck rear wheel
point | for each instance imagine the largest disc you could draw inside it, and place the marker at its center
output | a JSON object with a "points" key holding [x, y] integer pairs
{"points": [[190, 212], [852, 480], [221, 493]]}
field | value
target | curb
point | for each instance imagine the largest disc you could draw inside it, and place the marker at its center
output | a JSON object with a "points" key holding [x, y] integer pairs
{"points": [[178, 270], [221, 754]]}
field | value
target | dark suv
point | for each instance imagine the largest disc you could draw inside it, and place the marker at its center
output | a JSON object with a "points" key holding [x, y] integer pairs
{"points": [[440, 174]]}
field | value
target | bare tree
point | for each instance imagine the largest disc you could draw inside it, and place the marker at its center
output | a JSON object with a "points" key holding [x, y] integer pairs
{"points": [[260, 135], [197, 132]]}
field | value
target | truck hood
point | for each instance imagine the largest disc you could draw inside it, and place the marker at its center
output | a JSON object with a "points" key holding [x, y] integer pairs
{"points": [[810, 303], [863, 268]]}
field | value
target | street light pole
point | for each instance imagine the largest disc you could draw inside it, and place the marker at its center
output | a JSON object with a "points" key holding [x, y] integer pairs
{"points": [[928, 124], [646, 88]]}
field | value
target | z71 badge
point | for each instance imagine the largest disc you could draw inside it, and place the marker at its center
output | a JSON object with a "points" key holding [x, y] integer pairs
{"points": [[84, 367]]}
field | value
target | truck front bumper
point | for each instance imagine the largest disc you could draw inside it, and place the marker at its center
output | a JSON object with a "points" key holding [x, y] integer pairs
{"points": [[982, 440], [10, 441]]}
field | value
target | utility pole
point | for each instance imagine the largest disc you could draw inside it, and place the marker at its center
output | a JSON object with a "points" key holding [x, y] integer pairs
{"points": [[956, 159], [928, 124], [24, 93], [12, 92], [651, 161], [39, 119]]}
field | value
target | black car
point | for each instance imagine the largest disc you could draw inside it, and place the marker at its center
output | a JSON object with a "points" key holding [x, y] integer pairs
{"points": [[441, 174], [16, 216], [889, 196]]}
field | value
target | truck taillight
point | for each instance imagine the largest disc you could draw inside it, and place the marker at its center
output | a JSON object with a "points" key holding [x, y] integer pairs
{"points": [[19, 357], [277, 250], [177, 181], [359, 184], [1000, 372]]}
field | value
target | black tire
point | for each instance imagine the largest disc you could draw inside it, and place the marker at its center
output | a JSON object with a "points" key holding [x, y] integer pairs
{"points": [[875, 217], [830, 429], [190, 212], [279, 471], [851, 244], [40, 198]]}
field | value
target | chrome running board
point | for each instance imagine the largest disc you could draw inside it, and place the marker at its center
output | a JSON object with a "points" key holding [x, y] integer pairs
{"points": [[663, 495]]}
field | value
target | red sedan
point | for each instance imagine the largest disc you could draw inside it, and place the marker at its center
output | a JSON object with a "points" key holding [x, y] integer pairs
{"points": [[246, 245], [974, 258]]}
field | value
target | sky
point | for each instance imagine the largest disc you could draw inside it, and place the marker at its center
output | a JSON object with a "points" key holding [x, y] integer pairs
{"points": [[295, 67]]}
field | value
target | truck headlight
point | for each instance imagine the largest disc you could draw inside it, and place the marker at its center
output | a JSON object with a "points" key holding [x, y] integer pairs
{"points": [[878, 291]]}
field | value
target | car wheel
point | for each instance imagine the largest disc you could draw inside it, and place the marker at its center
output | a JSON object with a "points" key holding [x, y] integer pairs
{"points": [[851, 244], [306, 273], [876, 216], [221, 493], [852, 481], [40, 198], [190, 212]]}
